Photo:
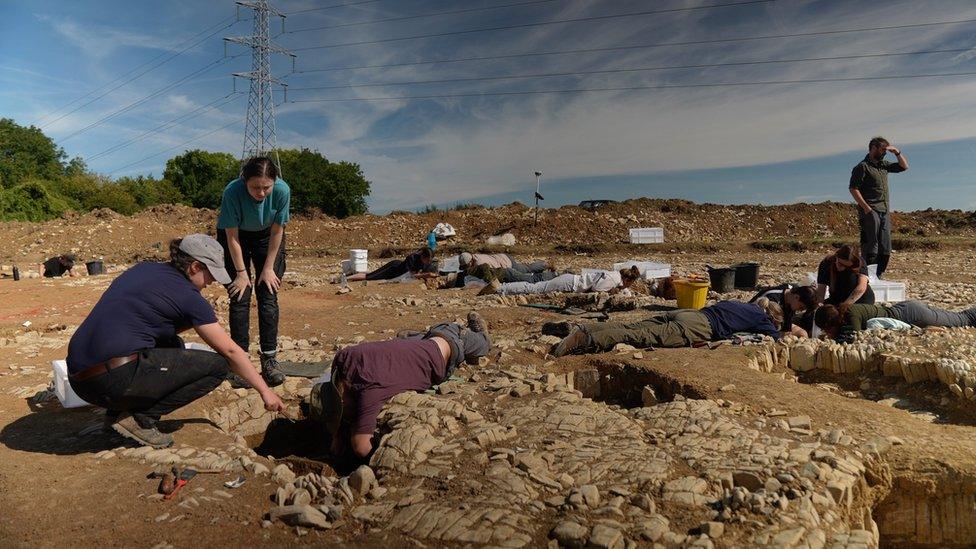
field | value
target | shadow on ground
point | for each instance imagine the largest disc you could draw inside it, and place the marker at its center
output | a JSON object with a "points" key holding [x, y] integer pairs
{"points": [[59, 431]]}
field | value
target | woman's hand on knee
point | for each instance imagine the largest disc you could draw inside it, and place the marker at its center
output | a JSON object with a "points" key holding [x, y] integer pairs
{"points": [[270, 279]]}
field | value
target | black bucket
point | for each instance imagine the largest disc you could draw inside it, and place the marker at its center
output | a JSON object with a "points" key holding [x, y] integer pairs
{"points": [[95, 267], [746, 275], [722, 279]]}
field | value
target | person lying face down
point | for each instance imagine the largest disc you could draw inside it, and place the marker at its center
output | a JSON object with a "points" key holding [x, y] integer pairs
{"points": [[680, 328], [366, 376], [841, 322], [469, 261], [420, 264], [600, 281], [793, 299]]}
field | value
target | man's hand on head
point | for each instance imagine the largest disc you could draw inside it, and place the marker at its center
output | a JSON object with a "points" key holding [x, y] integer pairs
{"points": [[893, 150]]}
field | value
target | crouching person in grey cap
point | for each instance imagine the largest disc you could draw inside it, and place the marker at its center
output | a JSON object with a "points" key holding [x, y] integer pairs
{"points": [[366, 376], [127, 357]]}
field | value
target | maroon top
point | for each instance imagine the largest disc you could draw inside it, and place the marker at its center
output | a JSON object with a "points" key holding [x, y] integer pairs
{"points": [[378, 371]]}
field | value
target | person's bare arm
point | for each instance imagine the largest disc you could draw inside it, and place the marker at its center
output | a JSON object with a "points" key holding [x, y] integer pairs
{"points": [[241, 280], [858, 291], [821, 293], [268, 276], [861, 203], [362, 445], [798, 331], [902, 159], [240, 364]]}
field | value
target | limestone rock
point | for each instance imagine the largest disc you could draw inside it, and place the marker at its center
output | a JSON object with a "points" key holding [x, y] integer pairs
{"points": [[300, 515], [570, 534]]}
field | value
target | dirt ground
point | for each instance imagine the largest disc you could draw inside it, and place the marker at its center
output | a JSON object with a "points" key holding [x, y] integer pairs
{"points": [[54, 488]]}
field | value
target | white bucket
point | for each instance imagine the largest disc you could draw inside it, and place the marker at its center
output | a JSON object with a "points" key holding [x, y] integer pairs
{"points": [[62, 388], [355, 255]]}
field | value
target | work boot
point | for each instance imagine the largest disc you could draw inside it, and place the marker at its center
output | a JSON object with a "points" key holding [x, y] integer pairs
{"points": [[476, 323], [577, 341], [128, 427], [270, 372], [491, 288], [236, 381], [111, 417]]}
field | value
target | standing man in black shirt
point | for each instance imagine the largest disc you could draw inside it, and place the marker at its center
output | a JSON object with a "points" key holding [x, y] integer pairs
{"points": [[869, 187]]}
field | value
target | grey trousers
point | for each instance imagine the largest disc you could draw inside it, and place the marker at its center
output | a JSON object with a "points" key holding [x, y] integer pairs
{"points": [[875, 238], [923, 315], [465, 344]]}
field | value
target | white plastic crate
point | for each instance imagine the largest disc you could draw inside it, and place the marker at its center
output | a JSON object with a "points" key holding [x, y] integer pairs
{"points": [[62, 388], [886, 291], [647, 235], [648, 269]]}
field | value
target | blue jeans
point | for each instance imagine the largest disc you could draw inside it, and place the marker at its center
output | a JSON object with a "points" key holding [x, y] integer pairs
{"points": [[254, 247]]}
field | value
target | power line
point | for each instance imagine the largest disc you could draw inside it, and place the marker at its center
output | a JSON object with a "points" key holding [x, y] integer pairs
{"points": [[539, 24], [638, 69], [422, 16], [636, 88], [187, 142], [215, 104], [636, 47], [126, 81], [333, 6], [156, 93]]}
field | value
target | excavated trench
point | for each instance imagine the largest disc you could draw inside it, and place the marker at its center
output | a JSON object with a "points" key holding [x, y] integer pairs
{"points": [[927, 504]]}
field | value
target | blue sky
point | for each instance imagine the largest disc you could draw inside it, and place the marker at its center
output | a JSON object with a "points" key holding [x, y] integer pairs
{"points": [[768, 143]]}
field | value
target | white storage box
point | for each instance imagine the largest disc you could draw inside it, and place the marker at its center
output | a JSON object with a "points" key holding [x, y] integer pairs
{"points": [[648, 269], [650, 235], [886, 291], [62, 388]]}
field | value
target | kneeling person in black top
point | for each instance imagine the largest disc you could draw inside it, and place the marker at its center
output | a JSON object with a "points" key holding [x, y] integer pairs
{"points": [[794, 299], [127, 357]]}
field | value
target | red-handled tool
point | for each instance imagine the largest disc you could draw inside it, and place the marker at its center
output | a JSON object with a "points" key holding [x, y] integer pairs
{"points": [[181, 481]]}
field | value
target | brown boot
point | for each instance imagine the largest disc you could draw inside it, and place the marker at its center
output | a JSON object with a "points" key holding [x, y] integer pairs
{"points": [[491, 288], [577, 341]]}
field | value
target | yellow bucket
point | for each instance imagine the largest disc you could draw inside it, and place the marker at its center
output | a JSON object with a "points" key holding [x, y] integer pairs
{"points": [[691, 294]]}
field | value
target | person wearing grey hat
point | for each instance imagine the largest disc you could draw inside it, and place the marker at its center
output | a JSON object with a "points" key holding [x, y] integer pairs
{"points": [[128, 358], [366, 376]]}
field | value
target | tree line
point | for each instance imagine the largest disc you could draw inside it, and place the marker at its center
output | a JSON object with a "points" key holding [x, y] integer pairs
{"points": [[39, 182]]}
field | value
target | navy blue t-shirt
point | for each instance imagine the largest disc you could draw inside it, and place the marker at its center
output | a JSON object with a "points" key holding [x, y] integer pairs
{"points": [[729, 317], [148, 303]]}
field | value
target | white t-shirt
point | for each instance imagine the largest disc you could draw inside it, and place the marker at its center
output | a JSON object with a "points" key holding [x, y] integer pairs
{"points": [[600, 281]]}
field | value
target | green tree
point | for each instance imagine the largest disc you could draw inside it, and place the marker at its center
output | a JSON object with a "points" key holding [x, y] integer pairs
{"points": [[76, 166], [200, 176], [149, 191], [27, 153], [336, 188], [31, 200]]}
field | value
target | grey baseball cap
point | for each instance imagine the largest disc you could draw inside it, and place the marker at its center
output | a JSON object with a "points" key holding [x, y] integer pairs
{"points": [[208, 251]]}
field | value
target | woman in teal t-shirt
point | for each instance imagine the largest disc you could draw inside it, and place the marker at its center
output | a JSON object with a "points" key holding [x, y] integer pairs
{"points": [[251, 228]]}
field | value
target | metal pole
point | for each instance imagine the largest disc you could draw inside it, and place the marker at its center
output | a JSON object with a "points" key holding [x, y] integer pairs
{"points": [[538, 180]]}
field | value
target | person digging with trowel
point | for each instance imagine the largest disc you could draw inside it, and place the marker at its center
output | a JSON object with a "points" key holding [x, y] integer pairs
{"points": [[366, 376], [127, 357]]}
